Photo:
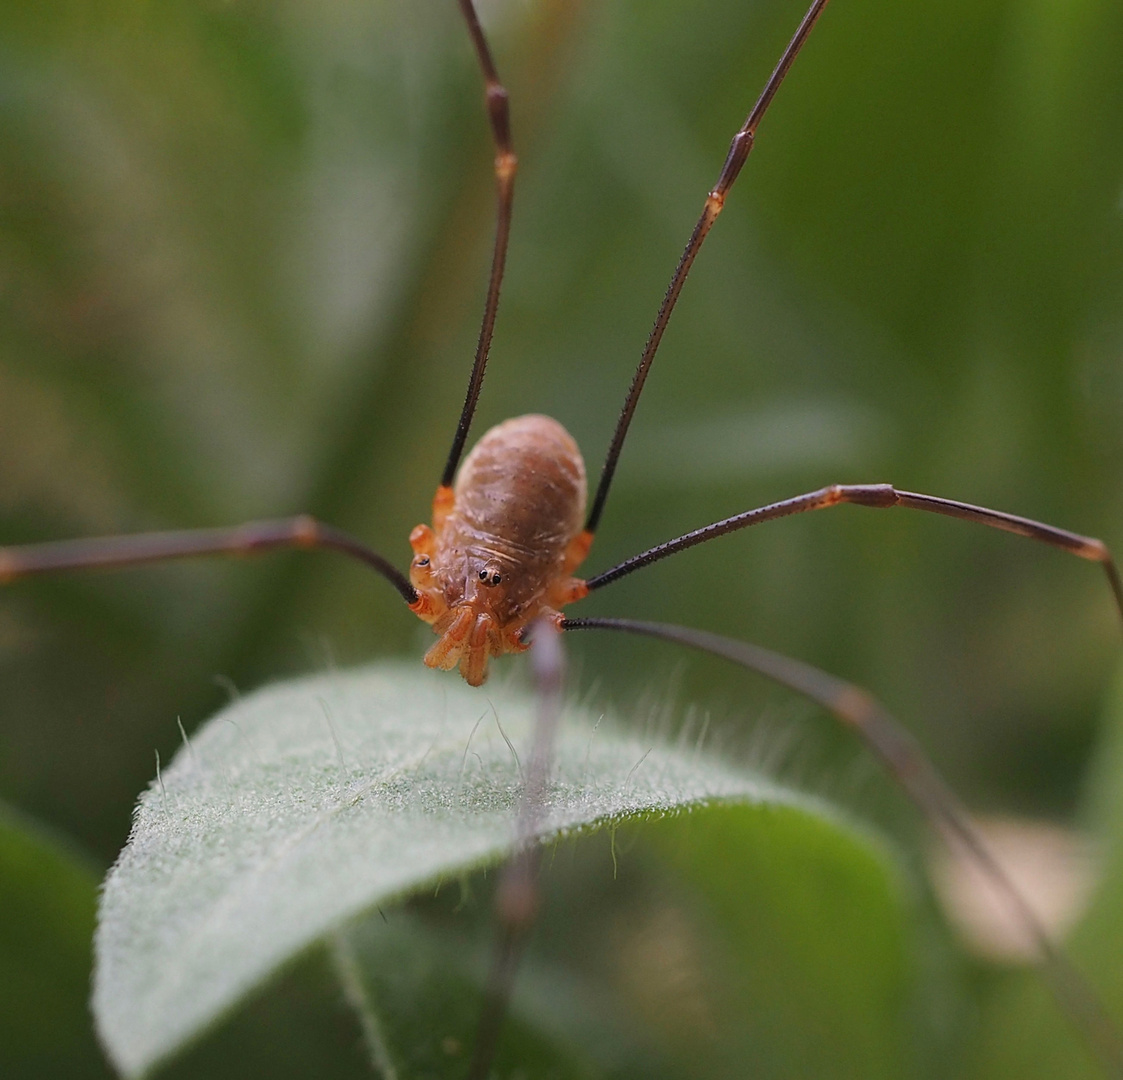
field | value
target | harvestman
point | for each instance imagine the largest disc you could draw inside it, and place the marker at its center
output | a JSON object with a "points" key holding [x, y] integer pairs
{"points": [[509, 530]]}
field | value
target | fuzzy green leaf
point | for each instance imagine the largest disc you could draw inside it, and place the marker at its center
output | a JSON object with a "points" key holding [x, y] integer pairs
{"points": [[309, 803]]}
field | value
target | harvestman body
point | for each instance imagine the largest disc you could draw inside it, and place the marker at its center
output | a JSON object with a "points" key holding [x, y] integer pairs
{"points": [[502, 547], [509, 528]]}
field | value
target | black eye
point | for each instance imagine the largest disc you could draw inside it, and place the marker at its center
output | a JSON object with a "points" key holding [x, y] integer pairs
{"points": [[490, 576], [421, 560]]}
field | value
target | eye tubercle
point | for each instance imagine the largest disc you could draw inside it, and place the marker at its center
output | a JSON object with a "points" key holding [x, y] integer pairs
{"points": [[490, 575]]}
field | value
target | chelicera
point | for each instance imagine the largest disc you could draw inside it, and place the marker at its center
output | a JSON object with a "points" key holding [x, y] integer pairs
{"points": [[510, 529]]}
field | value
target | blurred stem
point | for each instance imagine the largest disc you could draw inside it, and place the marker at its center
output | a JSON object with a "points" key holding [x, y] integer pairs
{"points": [[347, 969]]}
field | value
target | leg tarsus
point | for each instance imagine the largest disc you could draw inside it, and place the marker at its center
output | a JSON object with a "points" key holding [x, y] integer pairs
{"points": [[506, 165], [106, 552], [910, 767], [735, 159], [878, 496]]}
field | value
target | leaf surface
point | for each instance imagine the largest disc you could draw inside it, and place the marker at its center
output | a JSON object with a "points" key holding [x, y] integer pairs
{"points": [[299, 808]]}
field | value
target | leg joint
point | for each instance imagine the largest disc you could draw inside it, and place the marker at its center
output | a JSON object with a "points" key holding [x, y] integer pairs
{"points": [[1096, 550], [305, 531], [506, 165]]}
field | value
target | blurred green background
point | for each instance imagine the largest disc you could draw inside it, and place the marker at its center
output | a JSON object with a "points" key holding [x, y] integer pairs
{"points": [[242, 255]]}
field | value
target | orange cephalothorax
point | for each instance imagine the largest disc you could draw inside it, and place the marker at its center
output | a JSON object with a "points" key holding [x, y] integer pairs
{"points": [[503, 544]]}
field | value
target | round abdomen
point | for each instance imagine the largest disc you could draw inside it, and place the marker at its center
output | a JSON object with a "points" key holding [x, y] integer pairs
{"points": [[518, 502], [524, 483]]}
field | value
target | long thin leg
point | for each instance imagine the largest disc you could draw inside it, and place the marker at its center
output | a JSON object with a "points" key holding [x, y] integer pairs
{"points": [[506, 165], [880, 496], [517, 898], [248, 539], [917, 776], [738, 153]]}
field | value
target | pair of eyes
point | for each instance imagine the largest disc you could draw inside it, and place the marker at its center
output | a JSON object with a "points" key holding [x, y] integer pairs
{"points": [[488, 577]]}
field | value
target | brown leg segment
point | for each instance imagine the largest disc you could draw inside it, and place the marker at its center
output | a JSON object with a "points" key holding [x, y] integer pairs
{"points": [[249, 539], [909, 766], [738, 154], [506, 165], [517, 896], [879, 496]]}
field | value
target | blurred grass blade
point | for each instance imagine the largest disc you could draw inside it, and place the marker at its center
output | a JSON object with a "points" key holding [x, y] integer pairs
{"points": [[47, 897], [1022, 1034]]}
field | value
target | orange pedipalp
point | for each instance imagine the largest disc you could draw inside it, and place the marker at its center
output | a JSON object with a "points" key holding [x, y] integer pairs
{"points": [[475, 654], [446, 652]]}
